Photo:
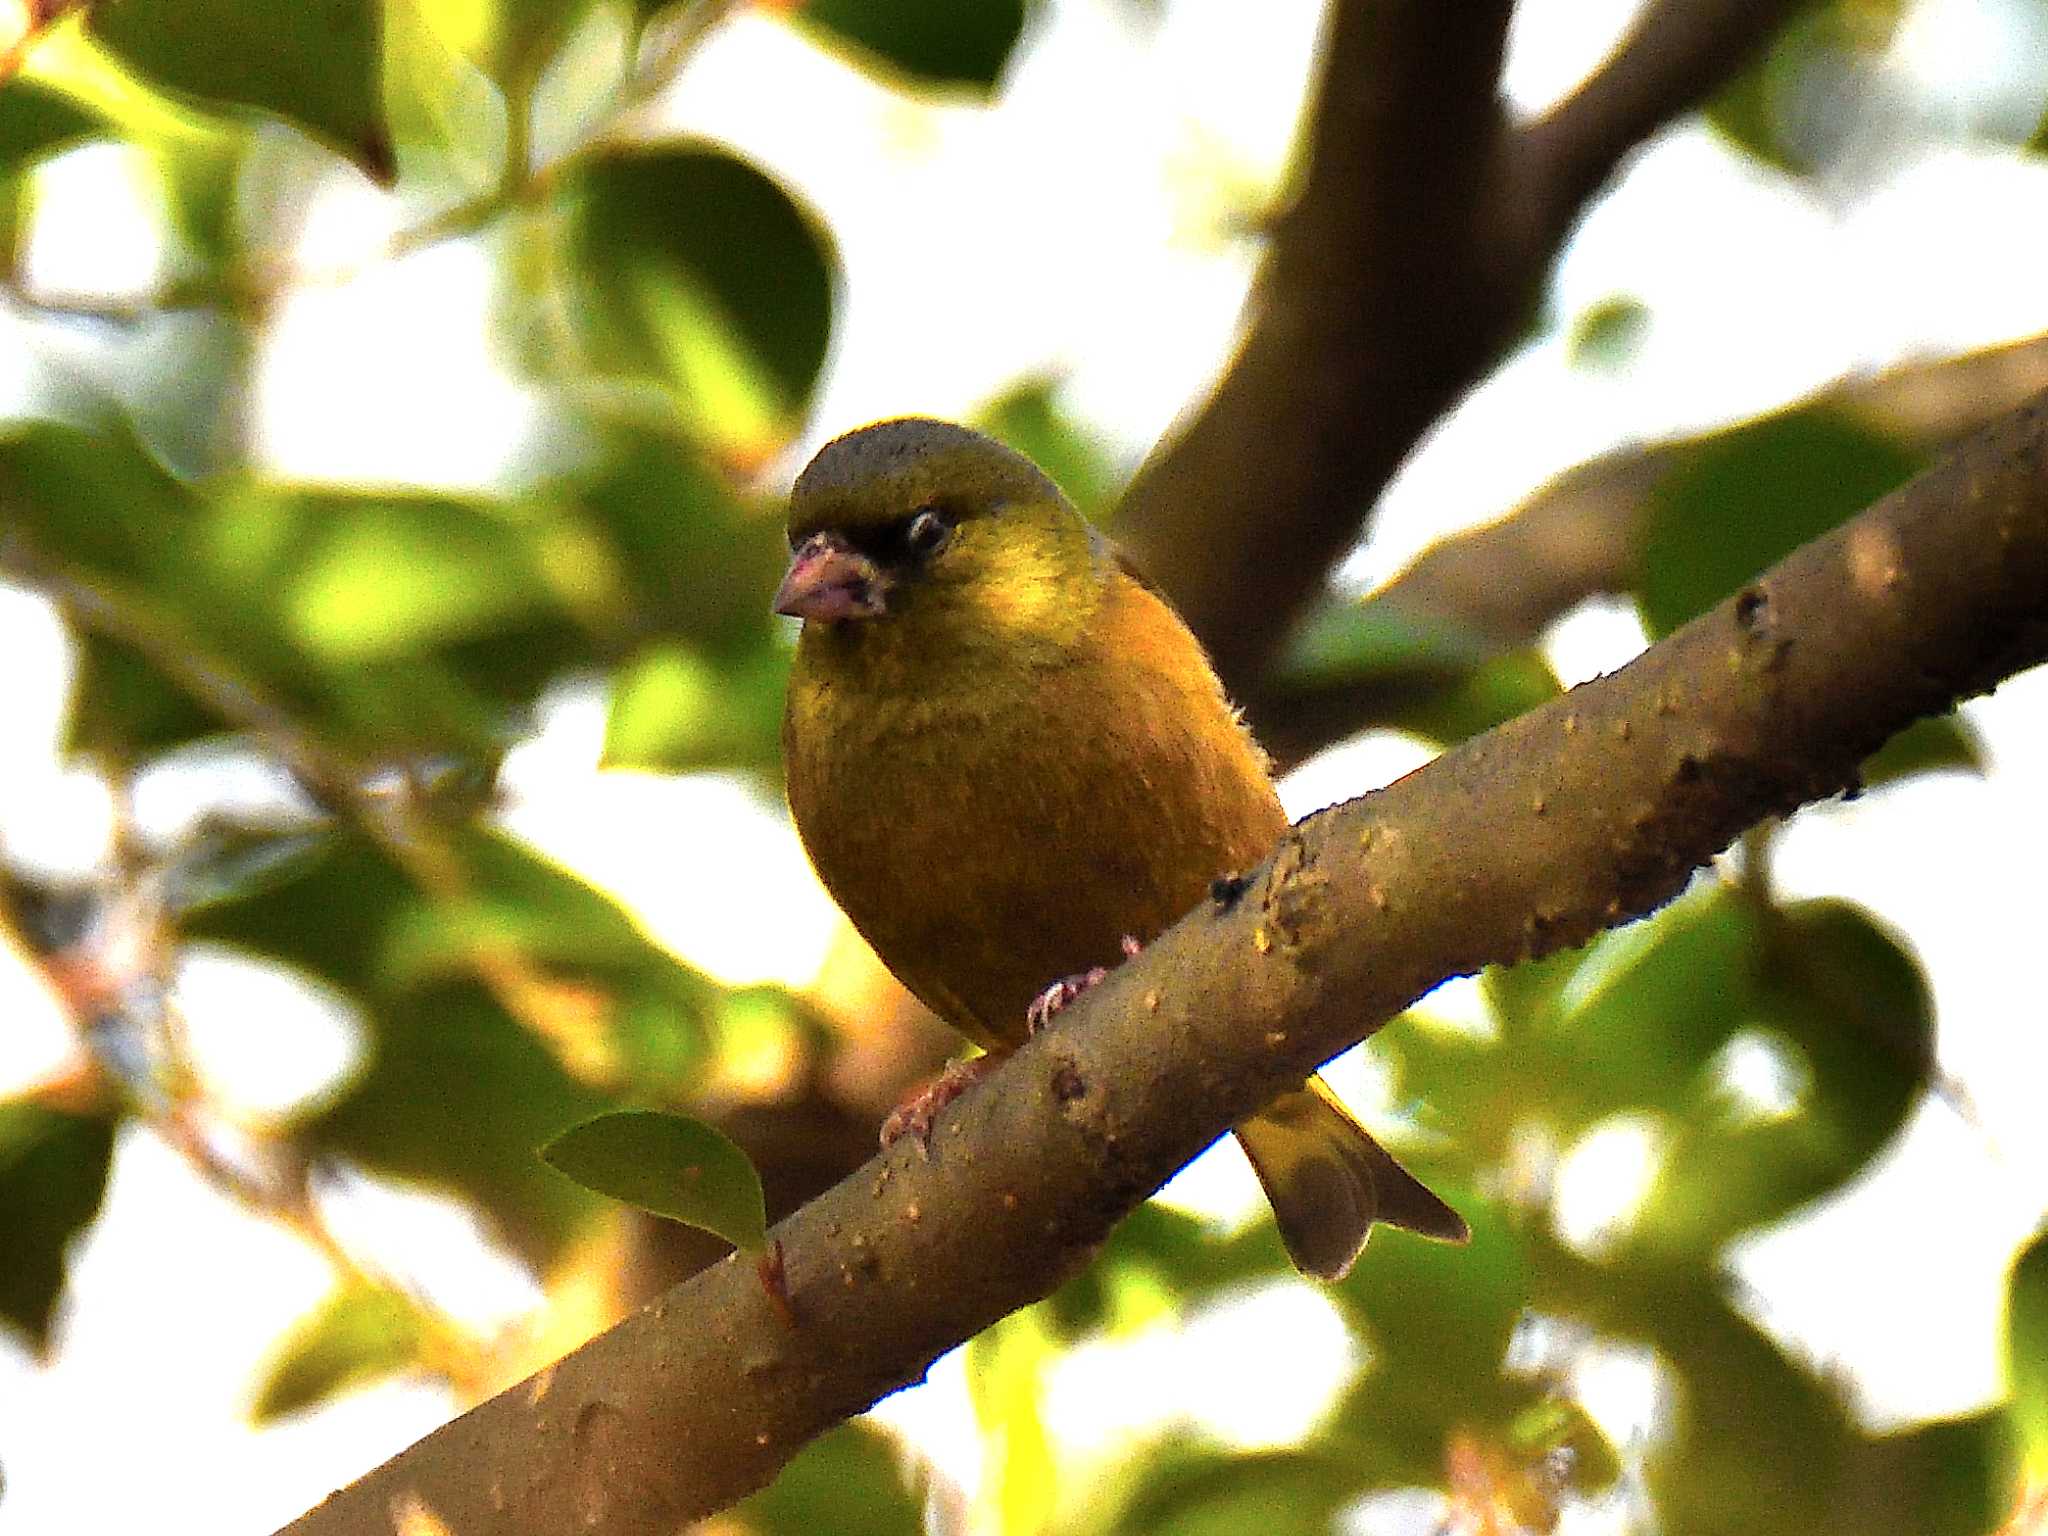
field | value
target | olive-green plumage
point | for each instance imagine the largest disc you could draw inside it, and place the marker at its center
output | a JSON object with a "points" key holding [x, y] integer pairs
{"points": [[1005, 753]]}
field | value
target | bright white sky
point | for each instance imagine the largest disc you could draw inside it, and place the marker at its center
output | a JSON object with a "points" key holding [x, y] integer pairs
{"points": [[1080, 226]]}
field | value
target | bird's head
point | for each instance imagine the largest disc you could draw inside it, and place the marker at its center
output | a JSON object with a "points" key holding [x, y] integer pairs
{"points": [[935, 534]]}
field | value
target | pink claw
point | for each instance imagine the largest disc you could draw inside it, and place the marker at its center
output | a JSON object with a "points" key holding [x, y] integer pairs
{"points": [[1067, 988], [916, 1115]]}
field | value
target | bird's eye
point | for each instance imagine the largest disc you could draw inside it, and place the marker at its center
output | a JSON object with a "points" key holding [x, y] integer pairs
{"points": [[927, 532]]}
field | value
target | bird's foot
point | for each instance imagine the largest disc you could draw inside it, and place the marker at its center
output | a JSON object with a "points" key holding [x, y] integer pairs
{"points": [[919, 1112], [1067, 988]]}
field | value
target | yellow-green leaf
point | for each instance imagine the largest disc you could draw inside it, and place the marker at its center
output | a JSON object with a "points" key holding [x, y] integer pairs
{"points": [[358, 1335]]}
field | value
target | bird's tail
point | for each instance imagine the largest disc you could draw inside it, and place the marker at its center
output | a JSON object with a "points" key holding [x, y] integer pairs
{"points": [[1328, 1181]]}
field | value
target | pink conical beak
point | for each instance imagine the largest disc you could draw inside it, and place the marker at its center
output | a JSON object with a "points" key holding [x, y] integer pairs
{"points": [[829, 579]]}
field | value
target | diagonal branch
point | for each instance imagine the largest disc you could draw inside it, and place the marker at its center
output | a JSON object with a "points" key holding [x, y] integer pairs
{"points": [[1580, 815], [1412, 257]]}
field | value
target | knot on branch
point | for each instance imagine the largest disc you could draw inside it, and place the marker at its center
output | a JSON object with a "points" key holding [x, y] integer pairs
{"points": [[1296, 900]]}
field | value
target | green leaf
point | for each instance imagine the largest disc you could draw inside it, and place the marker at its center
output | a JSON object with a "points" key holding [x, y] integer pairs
{"points": [[53, 1172], [1745, 499], [371, 579], [671, 1165], [1756, 1445], [360, 1334], [847, 1482], [2026, 1348], [1955, 1477], [1498, 690], [1847, 1001], [200, 173], [95, 497], [449, 123], [1649, 1006], [1028, 418], [457, 1094], [36, 119], [1474, 1092], [383, 623], [340, 911], [1007, 1366], [1523, 996], [1344, 641], [1448, 1310], [700, 562], [314, 63], [510, 40], [456, 1091], [939, 42], [674, 711], [1607, 334], [694, 269], [1414, 672], [1934, 745], [1777, 110]]}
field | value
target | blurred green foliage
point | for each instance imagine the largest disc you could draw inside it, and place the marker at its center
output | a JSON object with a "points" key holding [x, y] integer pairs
{"points": [[358, 1334], [1745, 499], [2026, 1349], [938, 42], [675, 306]]}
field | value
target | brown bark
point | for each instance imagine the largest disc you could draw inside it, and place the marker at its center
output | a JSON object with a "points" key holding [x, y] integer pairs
{"points": [[1580, 815]]}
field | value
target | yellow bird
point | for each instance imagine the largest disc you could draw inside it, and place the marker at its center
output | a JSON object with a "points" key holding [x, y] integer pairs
{"points": [[1009, 759]]}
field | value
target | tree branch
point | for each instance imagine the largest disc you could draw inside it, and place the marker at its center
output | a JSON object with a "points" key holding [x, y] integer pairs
{"points": [[1412, 257], [1580, 815], [1678, 55], [1580, 534]]}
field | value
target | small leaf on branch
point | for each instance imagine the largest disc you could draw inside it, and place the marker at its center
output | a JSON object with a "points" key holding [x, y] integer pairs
{"points": [[1933, 745], [671, 1165]]}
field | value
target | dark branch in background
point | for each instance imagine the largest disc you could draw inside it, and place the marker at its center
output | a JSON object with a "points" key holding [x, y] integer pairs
{"points": [[1580, 534], [1577, 816], [1412, 257], [1680, 53]]}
